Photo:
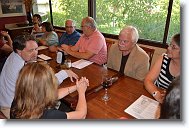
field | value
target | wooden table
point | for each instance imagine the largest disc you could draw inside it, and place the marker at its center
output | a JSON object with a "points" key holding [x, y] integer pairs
{"points": [[123, 92]]}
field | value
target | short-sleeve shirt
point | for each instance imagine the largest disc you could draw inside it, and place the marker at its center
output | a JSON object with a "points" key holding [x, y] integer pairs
{"points": [[69, 39], [96, 44], [51, 38]]}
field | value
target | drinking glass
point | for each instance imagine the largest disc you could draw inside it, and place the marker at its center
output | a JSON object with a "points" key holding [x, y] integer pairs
{"points": [[107, 82], [68, 63]]}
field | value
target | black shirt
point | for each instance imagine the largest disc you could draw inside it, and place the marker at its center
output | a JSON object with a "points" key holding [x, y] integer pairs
{"points": [[123, 63]]}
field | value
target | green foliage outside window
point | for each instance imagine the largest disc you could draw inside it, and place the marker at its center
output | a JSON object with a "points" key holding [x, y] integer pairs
{"points": [[148, 16]]}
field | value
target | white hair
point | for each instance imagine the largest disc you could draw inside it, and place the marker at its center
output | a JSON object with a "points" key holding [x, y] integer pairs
{"points": [[133, 31]]}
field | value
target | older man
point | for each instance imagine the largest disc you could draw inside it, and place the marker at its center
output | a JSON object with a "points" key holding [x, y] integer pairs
{"points": [[24, 51], [91, 45], [71, 36], [127, 57]]}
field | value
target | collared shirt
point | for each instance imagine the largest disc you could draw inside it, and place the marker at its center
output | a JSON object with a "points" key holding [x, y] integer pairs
{"points": [[9, 75], [96, 44], [69, 39]]}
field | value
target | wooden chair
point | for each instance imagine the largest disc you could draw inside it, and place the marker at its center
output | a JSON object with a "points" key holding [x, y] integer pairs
{"points": [[109, 43], [150, 53]]}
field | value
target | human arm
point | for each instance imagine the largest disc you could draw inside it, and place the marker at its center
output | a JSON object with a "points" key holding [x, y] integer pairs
{"points": [[6, 48], [152, 75], [62, 92], [63, 74], [9, 40], [72, 50], [81, 108]]}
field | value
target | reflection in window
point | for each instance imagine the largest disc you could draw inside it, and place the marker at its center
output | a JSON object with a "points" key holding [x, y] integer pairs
{"points": [[41, 7]]}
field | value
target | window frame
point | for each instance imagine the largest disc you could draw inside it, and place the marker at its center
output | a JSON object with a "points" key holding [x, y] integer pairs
{"points": [[92, 13]]}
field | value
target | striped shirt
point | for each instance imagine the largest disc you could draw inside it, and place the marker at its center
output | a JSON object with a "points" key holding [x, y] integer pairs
{"points": [[164, 78]]}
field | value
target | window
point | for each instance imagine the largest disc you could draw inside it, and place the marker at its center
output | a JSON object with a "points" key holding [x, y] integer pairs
{"points": [[174, 27], [69, 9], [41, 7], [148, 16]]}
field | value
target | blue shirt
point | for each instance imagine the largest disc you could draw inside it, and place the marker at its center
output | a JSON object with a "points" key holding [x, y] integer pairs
{"points": [[69, 39], [9, 75]]}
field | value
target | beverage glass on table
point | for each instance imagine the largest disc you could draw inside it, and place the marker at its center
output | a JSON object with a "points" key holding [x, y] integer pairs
{"points": [[68, 63], [106, 83]]}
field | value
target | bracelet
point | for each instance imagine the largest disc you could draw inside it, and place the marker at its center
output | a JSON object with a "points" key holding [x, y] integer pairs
{"points": [[154, 93], [69, 90]]}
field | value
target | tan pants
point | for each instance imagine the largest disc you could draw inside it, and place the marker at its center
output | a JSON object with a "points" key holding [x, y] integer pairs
{"points": [[5, 111]]}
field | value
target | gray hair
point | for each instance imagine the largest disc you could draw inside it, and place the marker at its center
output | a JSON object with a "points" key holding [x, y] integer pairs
{"points": [[133, 31], [89, 21], [73, 22]]}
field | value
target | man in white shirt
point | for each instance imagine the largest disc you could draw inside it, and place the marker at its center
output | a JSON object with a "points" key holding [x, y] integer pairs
{"points": [[24, 51]]}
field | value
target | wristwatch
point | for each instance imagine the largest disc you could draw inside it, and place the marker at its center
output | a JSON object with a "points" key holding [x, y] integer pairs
{"points": [[154, 93]]}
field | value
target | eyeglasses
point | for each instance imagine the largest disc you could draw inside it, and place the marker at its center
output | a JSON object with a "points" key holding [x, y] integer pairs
{"points": [[123, 41], [69, 26], [173, 47], [83, 26]]}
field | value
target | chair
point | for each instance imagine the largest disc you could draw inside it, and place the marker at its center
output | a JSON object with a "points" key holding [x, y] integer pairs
{"points": [[109, 43], [150, 53]]}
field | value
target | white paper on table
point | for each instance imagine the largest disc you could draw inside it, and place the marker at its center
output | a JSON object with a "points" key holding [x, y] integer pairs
{"points": [[143, 108], [42, 47], [81, 63], [44, 57]]}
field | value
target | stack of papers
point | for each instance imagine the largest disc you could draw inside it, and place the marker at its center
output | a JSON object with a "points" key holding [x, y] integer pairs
{"points": [[42, 47], [81, 64], [44, 57], [143, 108]]}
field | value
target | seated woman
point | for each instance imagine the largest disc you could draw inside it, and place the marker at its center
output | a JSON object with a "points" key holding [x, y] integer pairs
{"points": [[36, 95], [49, 38], [166, 68]]}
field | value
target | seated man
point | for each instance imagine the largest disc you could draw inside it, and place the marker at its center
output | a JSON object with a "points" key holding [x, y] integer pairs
{"points": [[91, 45], [5, 47], [71, 36], [24, 51], [127, 57]]}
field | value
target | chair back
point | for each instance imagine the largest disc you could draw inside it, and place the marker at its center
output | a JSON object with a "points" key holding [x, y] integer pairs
{"points": [[150, 53], [109, 44]]}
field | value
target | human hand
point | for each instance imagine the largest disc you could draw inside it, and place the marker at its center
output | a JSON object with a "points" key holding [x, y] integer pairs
{"points": [[72, 75], [82, 85], [160, 96], [4, 33], [59, 49], [65, 47]]}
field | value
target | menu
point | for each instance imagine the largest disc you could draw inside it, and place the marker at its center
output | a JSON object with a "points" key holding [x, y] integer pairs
{"points": [[44, 57], [81, 63], [143, 108]]}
